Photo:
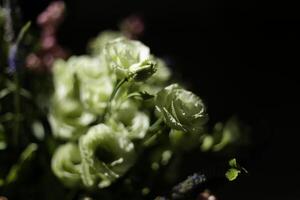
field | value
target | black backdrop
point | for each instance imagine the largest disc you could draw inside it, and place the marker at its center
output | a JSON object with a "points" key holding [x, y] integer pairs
{"points": [[241, 57]]}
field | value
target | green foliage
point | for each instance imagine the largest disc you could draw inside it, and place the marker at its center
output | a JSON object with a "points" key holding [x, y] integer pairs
{"points": [[232, 174], [234, 170], [25, 157]]}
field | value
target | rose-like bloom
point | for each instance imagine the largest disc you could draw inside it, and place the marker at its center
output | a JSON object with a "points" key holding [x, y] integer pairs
{"points": [[181, 109], [68, 117], [129, 59], [95, 82], [82, 87], [106, 155], [66, 164]]}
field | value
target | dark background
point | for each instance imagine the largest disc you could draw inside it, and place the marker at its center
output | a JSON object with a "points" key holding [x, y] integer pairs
{"points": [[241, 57]]}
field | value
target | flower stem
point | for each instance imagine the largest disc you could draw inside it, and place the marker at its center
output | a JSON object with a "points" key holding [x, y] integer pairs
{"points": [[155, 126], [153, 131], [112, 96], [17, 105]]}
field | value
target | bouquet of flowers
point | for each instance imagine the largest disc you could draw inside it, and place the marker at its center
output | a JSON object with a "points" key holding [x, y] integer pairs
{"points": [[111, 124]]}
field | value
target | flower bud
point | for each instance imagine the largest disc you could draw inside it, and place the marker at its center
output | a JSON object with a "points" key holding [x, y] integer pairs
{"points": [[129, 59]]}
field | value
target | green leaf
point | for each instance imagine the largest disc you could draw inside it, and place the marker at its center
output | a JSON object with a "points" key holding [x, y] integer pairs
{"points": [[232, 174], [4, 92], [1, 182], [235, 170], [233, 163], [26, 155], [23, 31]]}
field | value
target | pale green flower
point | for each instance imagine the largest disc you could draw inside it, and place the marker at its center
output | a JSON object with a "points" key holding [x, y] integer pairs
{"points": [[107, 154], [82, 87], [125, 112], [181, 109], [68, 117], [63, 79], [95, 83], [129, 59], [66, 164], [68, 131], [97, 45]]}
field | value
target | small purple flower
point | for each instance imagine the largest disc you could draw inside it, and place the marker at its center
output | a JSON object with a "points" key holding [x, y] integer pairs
{"points": [[12, 58]]}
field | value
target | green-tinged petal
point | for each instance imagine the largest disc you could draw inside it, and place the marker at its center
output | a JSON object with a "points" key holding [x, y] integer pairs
{"points": [[66, 164], [139, 126], [128, 116], [125, 112]]}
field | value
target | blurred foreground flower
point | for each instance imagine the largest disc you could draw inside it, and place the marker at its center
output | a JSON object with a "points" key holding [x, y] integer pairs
{"points": [[106, 153]]}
